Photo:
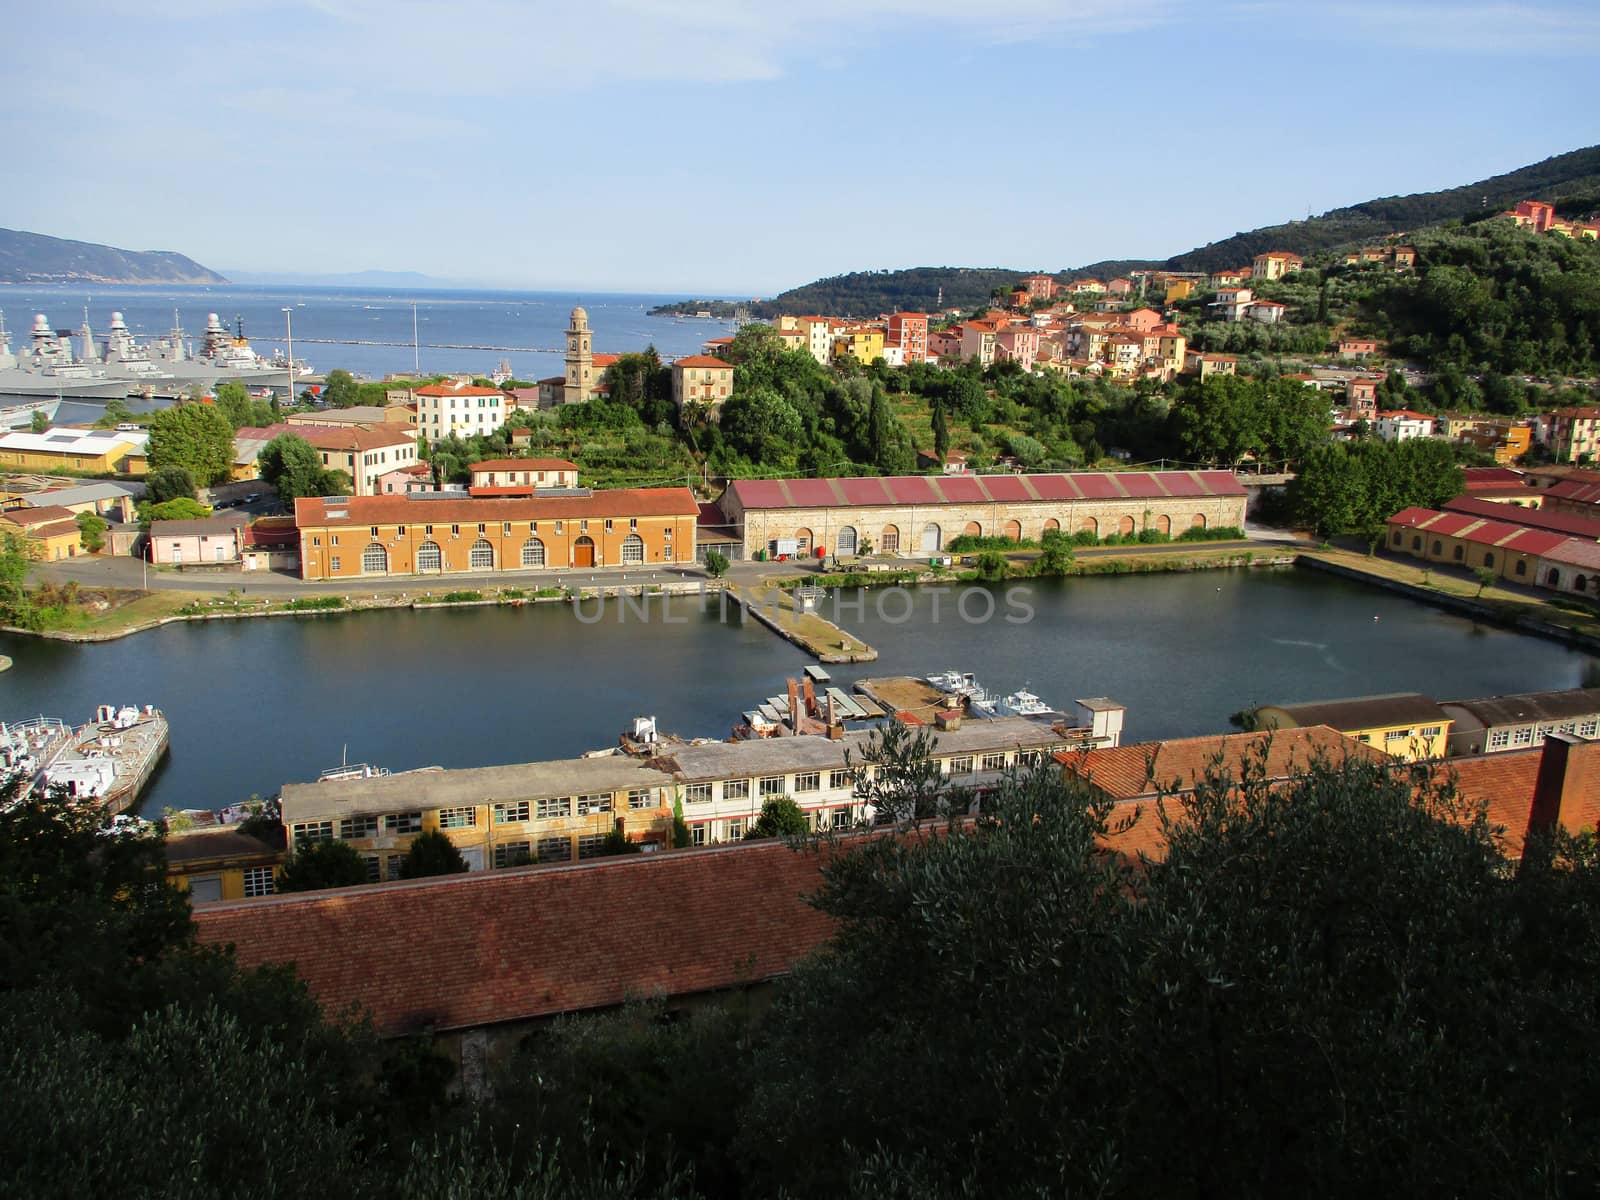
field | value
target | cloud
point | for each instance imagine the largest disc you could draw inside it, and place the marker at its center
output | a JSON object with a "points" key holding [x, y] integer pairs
{"points": [[1503, 29]]}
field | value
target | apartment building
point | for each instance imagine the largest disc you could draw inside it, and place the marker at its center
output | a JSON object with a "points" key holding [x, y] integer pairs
{"points": [[562, 811], [459, 409]]}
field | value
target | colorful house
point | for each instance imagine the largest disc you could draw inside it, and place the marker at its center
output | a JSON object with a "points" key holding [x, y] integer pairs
{"points": [[1404, 725]]}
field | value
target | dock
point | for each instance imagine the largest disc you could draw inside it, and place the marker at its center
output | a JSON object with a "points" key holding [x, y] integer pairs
{"points": [[902, 693]]}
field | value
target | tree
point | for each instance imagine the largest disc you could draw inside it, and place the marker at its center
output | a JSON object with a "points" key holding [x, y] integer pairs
{"points": [[941, 431], [429, 854], [1056, 554], [16, 552], [1485, 577], [681, 837], [38, 423], [117, 411], [194, 437], [341, 390], [617, 842], [716, 564], [92, 532], [897, 775], [181, 509], [318, 865], [169, 483], [780, 817], [291, 465]]}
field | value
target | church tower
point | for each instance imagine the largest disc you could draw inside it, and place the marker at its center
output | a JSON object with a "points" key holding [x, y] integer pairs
{"points": [[580, 359]]}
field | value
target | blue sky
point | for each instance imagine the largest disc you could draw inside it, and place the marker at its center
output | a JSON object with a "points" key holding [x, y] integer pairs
{"points": [[745, 146]]}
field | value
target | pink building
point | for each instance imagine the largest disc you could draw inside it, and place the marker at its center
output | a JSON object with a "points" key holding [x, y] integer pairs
{"points": [[909, 331], [1142, 319], [1019, 344], [1120, 287]]}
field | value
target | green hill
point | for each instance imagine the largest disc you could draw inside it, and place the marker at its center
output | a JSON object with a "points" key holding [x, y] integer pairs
{"points": [[1572, 179], [37, 258]]}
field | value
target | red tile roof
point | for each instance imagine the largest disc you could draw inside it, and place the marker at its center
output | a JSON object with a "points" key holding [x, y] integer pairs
{"points": [[312, 511], [524, 464], [1576, 552], [703, 360], [523, 943], [933, 490], [1493, 477], [32, 518], [1575, 490], [1144, 769], [1569, 524], [465, 389], [1505, 782]]}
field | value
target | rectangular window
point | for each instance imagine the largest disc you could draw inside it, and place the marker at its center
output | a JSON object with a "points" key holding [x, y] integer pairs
{"points": [[696, 793], [583, 525], [374, 866], [1522, 736], [480, 526], [961, 765], [639, 798], [1432, 731], [507, 528], [455, 530], [736, 789], [333, 563], [458, 818], [599, 802], [1589, 728], [394, 867], [633, 522], [608, 524], [994, 762], [697, 835], [558, 526], [358, 827], [316, 541], [428, 529], [374, 531], [258, 881], [312, 831], [591, 844], [811, 781], [410, 822], [554, 849], [554, 806], [505, 814], [771, 785], [840, 779], [842, 818], [513, 854], [400, 531], [736, 830]]}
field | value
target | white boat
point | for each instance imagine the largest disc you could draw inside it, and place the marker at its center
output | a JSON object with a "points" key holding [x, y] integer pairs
{"points": [[352, 771], [1023, 703], [983, 704], [960, 683], [20, 415]]}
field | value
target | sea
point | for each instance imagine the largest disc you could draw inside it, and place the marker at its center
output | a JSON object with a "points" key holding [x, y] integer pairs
{"points": [[337, 326]]}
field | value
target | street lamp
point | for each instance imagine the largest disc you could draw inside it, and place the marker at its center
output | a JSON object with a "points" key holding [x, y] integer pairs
{"points": [[288, 325]]}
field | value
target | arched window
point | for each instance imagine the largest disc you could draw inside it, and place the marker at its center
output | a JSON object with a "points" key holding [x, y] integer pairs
{"points": [[1554, 578], [533, 553], [1397, 538], [973, 529], [802, 541], [1125, 525], [1488, 564], [1164, 525], [632, 550], [889, 543], [429, 558], [1581, 584], [932, 538], [1461, 552], [1014, 530], [1089, 525], [481, 556], [1416, 544], [1521, 568], [1198, 521], [1438, 546], [374, 560], [844, 545]]}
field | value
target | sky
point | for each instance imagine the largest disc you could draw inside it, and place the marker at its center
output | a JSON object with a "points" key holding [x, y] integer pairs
{"points": [[740, 147]]}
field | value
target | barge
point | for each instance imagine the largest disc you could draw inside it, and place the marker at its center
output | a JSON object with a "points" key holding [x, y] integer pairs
{"points": [[109, 760]]}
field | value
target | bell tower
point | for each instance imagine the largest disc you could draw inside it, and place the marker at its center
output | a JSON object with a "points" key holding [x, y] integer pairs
{"points": [[580, 359]]}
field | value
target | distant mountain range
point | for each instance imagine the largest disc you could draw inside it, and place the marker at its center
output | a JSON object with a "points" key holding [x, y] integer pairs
{"points": [[36, 258], [1572, 179], [346, 279]]}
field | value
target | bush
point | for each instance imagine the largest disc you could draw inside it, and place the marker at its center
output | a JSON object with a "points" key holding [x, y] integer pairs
{"points": [[429, 854], [1218, 533], [968, 544], [315, 603]]}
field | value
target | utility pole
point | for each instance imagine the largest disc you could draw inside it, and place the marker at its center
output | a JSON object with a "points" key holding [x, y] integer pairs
{"points": [[288, 325]]}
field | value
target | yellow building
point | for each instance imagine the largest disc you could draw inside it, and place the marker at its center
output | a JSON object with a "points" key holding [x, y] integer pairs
{"points": [[860, 342], [1179, 289], [52, 531], [224, 863], [1404, 725], [89, 451]]}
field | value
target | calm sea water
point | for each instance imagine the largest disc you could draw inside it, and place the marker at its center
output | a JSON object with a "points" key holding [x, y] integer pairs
{"points": [[353, 315], [257, 703]]}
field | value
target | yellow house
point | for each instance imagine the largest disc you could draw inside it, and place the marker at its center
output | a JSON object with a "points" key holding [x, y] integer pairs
{"points": [[52, 531], [1405, 725], [95, 451], [224, 863], [1179, 289], [863, 343]]}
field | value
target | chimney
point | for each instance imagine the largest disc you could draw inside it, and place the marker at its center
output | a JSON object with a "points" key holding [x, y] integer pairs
{"points": [[794, 705], [1563, 769], [811, 697]]}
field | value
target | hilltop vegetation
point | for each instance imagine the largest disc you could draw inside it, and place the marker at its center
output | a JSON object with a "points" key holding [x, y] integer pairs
{"points": [[36, 258]]}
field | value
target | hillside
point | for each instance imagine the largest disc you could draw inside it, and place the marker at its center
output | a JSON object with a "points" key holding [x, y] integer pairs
{"points": [[1574, 177], [1576, 174], [36, 258]]}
